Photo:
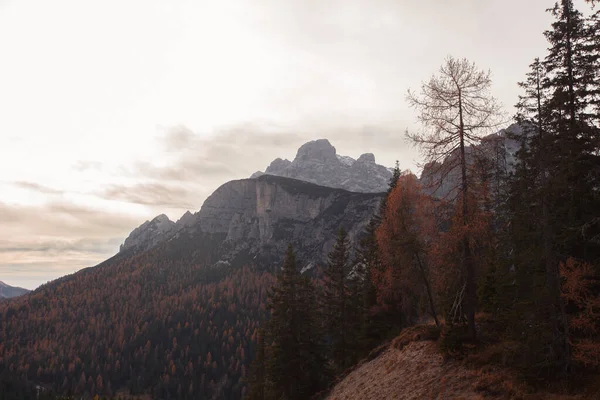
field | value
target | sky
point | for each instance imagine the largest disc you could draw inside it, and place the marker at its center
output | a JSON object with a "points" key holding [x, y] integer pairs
{"points": [[112, 112]]}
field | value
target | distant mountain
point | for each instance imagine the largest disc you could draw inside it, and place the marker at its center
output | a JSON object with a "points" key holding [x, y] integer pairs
{"points": [[317, 162], [7, 291], [255, 219], [442, 179]]}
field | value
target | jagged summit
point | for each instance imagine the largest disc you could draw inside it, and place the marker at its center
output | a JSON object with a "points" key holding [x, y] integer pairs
{"points": [[318, 162], [317, 150], [148, 234], [366, 158]]}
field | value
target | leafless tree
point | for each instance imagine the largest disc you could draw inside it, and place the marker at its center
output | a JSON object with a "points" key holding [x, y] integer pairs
{"points": [[456, 110]]}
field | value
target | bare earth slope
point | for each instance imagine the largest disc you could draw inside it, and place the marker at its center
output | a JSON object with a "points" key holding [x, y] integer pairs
{"points": [[416, 372], [419, 372]]}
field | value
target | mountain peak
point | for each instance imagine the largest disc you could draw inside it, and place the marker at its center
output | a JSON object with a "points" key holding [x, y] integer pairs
{"points": [[317, 150], [318, 162], [148, 234], [367, 158], [277, 165]]}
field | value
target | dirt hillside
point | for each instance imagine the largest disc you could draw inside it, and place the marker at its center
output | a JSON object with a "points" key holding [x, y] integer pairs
{"points": [[418, 371]]}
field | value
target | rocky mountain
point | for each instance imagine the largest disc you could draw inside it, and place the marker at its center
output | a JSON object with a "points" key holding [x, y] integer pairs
{"points": [[317, 162], [148, 234], [7, 291], [253, 220], [441, 179], [151, 233]]}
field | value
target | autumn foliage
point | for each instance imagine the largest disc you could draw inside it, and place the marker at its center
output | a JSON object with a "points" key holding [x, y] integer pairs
{"points": [[580, 291], [406, 237], [147, 324]]}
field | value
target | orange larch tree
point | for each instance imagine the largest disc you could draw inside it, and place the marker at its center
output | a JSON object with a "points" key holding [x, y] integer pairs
{"points": [[405, 237]]}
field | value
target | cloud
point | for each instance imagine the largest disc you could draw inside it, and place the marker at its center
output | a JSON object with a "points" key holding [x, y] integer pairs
{"points": [[153, 194], [54, 247], [36, 187], [86, 165], [44, 242]]}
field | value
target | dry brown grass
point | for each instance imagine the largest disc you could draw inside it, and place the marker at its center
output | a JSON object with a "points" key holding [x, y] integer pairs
{"points": [[416, 333]]}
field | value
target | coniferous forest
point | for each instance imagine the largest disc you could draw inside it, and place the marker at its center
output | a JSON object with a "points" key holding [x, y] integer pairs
{"points": [[508, 253]]}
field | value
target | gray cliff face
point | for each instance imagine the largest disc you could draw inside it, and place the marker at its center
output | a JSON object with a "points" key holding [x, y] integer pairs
{"points": [[442, 180], [318, 162], [255, 220], [148, 234], [260, 217]]}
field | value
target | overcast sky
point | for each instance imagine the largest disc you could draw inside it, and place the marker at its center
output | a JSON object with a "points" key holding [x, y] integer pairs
{"points": [[112, 112]]}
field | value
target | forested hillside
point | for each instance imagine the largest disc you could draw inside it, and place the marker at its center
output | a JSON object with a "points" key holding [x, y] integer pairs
{"points": [[148, 324]]}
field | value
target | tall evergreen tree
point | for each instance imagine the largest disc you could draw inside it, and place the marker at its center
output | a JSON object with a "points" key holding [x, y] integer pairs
{"points": [[296, 366], [337, 302], [553, 198], [257, 376], [396, 174], [373, 327]]}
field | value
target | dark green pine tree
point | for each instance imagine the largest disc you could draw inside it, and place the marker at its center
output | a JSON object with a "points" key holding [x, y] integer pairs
{"points": [[374, 326], [257, 375], [336, 302], [571, 138], [396, 173], [296, 366], [552, 197], [591, 59], [532, 202]]}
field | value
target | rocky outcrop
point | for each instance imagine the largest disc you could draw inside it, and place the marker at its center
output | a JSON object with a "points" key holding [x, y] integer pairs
{"points": [[317, 162], [148, 234], [260, 217], [442, 179]]}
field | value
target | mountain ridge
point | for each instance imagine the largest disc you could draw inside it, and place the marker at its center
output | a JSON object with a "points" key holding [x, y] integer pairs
{"points": [[317, 162], [8, 292], [254, 216]]}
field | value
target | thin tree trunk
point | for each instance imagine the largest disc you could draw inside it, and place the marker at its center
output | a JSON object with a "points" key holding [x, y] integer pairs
{"points": [[467, 259], [428, 287]]}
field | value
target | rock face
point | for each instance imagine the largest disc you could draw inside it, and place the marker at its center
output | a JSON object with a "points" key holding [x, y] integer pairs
{"points": [[260, 217], [442, 180], [7, 291], [148, 234], [255, 220], [318, 162]]}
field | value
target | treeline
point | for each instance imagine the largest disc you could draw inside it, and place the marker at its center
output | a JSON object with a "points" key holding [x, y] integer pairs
{"points": [[489, 245]]}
